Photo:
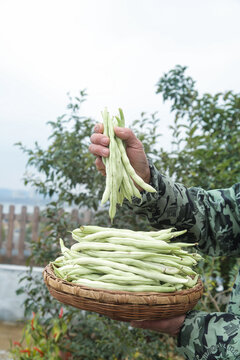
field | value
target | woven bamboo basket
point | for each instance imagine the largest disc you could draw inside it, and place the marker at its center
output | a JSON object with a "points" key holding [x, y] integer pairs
{"points": [[123, 305]]}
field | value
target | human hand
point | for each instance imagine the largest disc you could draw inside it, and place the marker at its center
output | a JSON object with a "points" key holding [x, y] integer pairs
{"points": [[134, 149], [167, 326]]}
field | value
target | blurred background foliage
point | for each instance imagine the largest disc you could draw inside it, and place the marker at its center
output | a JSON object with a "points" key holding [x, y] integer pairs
{"points": [[204, 152]]}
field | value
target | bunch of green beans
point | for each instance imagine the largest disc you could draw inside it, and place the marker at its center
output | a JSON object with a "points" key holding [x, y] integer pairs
{"points": [[122, 259], [120, 175]]}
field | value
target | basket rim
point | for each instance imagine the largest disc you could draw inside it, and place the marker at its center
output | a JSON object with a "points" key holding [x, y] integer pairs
{"points": [[127, 297]]}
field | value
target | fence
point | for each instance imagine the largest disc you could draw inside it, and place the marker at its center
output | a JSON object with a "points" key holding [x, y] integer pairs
{"points": [[16, 229]]}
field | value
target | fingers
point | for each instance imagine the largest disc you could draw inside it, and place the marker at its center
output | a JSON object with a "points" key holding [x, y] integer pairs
{"points": [[99, 139], [100, 166], [98, 128], [99, 150], [99, 142], [168, 326], [98, 147], [160, 325], [123, 133], [129, 137]]}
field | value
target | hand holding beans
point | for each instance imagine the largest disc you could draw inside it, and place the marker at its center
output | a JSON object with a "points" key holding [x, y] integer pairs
{"points": [[121, 177], [134, 148]]}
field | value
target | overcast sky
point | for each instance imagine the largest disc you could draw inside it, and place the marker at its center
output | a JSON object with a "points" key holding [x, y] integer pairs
{"points": [[116, 49]]}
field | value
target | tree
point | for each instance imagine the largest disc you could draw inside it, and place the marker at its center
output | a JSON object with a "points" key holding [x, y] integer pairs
{"points": [[204, 135]]}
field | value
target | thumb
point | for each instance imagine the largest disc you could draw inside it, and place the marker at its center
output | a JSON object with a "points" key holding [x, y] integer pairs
{"points": [[127, 135]]}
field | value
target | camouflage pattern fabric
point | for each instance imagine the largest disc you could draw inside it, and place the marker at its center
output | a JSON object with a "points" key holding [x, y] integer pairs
{"points": [[212, 218], [210, 336], [234, 303]]}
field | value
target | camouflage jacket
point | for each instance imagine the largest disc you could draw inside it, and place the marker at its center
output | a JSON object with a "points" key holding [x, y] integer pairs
{"points": [[213, 220]]}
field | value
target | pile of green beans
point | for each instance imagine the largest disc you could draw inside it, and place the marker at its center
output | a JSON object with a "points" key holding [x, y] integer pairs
{"points": [[127, 260], [120, 175]]}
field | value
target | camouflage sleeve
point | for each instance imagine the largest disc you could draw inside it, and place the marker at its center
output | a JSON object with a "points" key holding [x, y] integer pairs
{"points": [[234, 302], [212, 218], [214, 336]]}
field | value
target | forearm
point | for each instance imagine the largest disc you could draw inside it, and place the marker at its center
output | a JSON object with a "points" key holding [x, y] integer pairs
{"points": [[211, 217], [169, 206]]}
